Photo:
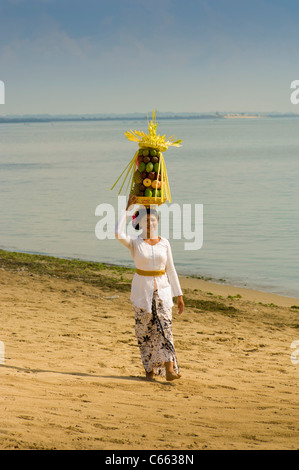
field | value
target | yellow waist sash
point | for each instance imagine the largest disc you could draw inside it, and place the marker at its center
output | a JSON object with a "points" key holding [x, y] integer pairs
{"points": [[150, 273]]}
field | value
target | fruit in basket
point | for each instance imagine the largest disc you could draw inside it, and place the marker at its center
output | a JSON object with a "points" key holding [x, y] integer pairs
{"points": [[156, 184], [135, 190], [137, 177], [149, 167], [141, 167], [150, 148], [156, 167], [148, 192], [142, 187], [151, 175], [147, 182]]}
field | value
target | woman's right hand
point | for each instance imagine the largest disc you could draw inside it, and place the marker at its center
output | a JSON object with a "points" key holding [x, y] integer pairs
{"points": [[131, 201]]}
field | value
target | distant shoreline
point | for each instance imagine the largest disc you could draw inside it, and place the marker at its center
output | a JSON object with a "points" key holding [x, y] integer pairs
{"points": [[136, 117], [240, 116]]}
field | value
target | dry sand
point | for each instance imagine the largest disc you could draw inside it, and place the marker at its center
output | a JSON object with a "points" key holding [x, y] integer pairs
{"points": [[73, 379]]}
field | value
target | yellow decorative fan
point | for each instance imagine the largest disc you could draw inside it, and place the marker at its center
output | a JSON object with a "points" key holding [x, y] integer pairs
{"points": [[146, 172]]}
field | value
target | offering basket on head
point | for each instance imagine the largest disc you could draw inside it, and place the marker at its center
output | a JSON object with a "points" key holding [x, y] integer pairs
{"points": [[146, 173]]}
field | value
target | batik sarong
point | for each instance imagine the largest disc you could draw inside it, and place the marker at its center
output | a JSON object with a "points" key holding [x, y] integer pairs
{"points": [[154, 335]]}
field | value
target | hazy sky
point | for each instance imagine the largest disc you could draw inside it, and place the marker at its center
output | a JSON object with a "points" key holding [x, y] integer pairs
{"points": [[118, 56]]}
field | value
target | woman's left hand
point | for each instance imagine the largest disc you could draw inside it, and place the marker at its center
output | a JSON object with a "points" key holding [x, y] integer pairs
{"points": [[131, 201], [181, 305]]}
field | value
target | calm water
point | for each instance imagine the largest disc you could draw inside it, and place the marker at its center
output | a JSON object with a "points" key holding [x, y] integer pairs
{"points": [[244, 172]]}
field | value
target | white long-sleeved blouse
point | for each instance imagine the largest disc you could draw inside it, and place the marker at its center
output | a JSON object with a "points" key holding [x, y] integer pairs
{"points": [[149, 258]]}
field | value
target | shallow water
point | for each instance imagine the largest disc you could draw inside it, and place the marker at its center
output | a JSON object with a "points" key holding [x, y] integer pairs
{"points": [[244, 172]]}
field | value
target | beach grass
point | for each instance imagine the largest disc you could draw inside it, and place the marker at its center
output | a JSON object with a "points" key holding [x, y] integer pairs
{"points": [[91, 272], [106, 276]]}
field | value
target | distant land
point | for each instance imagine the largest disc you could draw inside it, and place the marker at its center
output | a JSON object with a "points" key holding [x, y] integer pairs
{"points": [[33, 118]]}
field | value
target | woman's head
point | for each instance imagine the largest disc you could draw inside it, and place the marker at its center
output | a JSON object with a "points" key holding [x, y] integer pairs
{"points": [[147, 220]]}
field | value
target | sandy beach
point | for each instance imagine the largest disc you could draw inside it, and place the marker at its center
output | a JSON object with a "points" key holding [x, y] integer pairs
{"points": [[72, 377]]}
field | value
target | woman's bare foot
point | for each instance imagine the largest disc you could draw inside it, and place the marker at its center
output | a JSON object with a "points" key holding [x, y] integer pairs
{"points": [[170, 373], [172, 376]]}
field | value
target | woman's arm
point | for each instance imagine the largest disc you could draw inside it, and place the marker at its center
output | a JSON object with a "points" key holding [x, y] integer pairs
{"points": [[120, 226], [174, 280]]}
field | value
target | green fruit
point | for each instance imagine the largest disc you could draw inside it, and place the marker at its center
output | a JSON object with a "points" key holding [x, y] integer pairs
{"points": [[141, 167], [156, 167], [153, 152], [145, 152], [148, 192], [149, 167]]}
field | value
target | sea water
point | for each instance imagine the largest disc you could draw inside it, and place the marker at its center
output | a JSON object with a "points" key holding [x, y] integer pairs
{"points": [[243, 171]]}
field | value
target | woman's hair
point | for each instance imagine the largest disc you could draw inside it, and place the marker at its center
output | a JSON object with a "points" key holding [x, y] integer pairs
{"points": [[140, 214]]}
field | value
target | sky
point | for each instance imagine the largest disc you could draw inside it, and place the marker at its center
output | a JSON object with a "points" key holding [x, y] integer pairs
{"points": [[123, 56]]}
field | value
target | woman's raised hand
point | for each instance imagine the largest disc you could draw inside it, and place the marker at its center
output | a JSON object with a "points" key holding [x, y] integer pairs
{"points": [[131, 201]]}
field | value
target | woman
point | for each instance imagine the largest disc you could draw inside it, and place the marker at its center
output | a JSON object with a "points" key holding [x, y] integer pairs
{"points": [[153, 287]]}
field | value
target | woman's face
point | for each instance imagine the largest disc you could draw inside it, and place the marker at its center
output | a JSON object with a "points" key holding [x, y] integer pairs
{"points": [[149, 224]]}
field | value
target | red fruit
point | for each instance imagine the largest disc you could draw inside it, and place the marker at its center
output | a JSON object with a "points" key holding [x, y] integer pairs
{"points": [[151, 175], [144, 175]]}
